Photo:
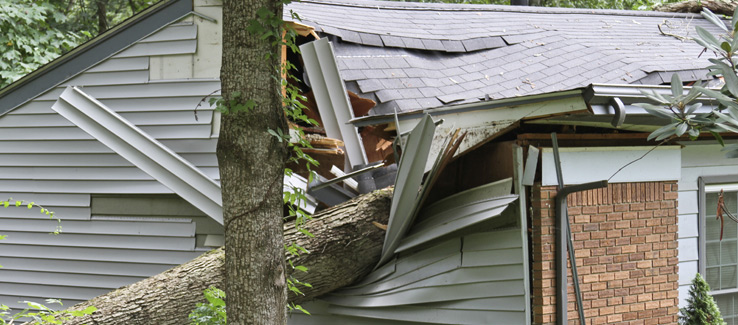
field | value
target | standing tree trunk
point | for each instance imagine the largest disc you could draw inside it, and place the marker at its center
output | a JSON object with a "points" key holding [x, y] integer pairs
{"points": [[251, 163]]}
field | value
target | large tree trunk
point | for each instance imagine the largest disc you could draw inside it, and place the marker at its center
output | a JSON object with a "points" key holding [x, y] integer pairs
{"points": [[251, 164], [347, 245], [695, 6]]}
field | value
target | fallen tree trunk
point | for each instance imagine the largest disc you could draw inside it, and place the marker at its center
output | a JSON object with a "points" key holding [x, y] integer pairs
{"points": [[346, 246], [696, 6]]}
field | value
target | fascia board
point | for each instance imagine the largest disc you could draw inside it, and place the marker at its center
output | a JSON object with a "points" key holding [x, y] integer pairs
{"points": [[332, 98], [145, 152], [409, 176], [443, 112]]}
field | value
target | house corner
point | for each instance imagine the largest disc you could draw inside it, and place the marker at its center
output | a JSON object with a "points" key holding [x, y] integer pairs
{"points": [[625, 241]]}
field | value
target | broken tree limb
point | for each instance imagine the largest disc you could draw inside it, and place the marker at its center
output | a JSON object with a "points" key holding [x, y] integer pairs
{"points": [[346, 246], [696, 6]]}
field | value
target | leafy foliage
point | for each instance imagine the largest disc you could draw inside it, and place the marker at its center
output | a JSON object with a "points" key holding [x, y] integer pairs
{"points": [[30, 37], [41, 314], [701, 308], [213, 312], [678, 107], [33, 32]]}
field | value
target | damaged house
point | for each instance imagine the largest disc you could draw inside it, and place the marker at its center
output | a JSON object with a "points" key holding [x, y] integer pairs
{"points": [[463, 98]]}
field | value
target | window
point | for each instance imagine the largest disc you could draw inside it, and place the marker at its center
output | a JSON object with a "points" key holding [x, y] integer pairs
{"points": [[720, 258]]}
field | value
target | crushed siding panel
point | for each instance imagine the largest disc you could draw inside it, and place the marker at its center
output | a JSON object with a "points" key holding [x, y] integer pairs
{"points": [[477, 282]]}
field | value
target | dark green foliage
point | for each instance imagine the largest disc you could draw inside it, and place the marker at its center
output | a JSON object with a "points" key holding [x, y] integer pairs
{"points": [[213, 312], [701, 308], [33, 33]]}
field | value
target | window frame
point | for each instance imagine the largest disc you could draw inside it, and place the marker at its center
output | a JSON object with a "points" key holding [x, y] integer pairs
{"points": [[702, 183]]}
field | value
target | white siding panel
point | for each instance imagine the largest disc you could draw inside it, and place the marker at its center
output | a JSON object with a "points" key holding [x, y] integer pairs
{"points": [[688, 226], [202, 131], [705, 153], [691, 174], [683, 294], [77, 266], [51, 146], [67, 279], [189, 88], [109, 78], [100, 187], [125, 64], [687, 272], [51, 199], [145, 256], [64, 213], [204, 116], [102, 241], [158, 104], [108, 227], [688, 202], [688, 249], [36, 120], [173, 33], [46, 291], [159, 48], [70, 133]]}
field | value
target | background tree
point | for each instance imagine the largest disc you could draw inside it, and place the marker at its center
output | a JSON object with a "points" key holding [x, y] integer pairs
{"points": [[701, 308], [33, 32], [251, 163]]}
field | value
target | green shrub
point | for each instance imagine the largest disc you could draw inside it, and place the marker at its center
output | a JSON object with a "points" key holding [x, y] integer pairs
{"points": [[701, 308]]}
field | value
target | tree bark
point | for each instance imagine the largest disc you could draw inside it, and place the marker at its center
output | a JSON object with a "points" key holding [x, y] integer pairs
{"points": [[696, 6], [346, 246], [251, 164]]}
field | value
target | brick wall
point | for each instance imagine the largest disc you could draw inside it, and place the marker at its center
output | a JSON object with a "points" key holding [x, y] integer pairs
{"points": [[625, 240]]}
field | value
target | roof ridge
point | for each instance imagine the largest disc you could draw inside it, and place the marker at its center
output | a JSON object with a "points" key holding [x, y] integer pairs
{"points": [[423, 6]]}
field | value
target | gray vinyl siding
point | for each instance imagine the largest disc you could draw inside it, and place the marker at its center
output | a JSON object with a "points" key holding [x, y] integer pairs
{"points": [[468, 279], [699, 159], [119, 225]]}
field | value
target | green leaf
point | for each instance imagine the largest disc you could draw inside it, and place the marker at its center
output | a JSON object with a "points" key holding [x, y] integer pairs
{"points": [[667, 130], [726, 47], [708, 37], [709, 15], [681, 129], [657, 111], [677, 88]]}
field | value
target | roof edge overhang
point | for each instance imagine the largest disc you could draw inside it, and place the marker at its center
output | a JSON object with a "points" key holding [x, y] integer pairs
{"points": [[463, 108], [143, 151], [92, 52]]}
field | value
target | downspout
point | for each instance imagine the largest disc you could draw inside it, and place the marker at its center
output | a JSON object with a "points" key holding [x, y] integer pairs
{"points": [[563, 239]]}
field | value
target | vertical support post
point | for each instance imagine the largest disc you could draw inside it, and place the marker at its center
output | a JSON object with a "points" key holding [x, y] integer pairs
{"points": [[561, 226], [564, 241]]}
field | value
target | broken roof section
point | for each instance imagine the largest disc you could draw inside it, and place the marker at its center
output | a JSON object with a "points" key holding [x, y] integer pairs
{"points": [[416, 56]]}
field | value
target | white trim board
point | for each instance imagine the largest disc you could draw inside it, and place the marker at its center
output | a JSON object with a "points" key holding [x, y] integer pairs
{"points": [[589, 164]]}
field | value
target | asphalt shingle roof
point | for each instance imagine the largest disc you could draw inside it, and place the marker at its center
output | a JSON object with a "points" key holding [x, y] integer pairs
{"points": [[412, 56]]}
